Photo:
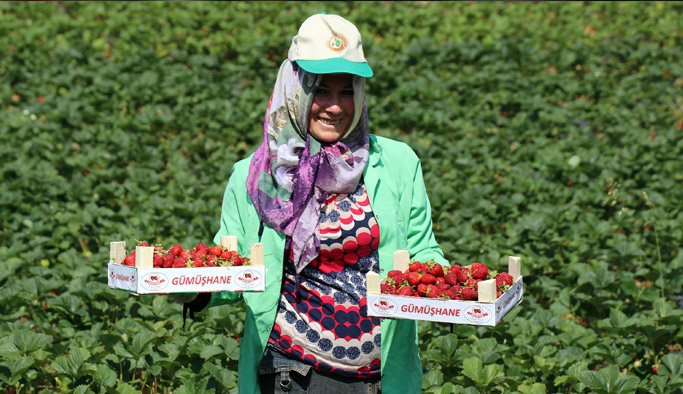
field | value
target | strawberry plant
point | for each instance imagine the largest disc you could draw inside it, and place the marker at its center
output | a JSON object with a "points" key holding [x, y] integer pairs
{"points": [[548, 130]]}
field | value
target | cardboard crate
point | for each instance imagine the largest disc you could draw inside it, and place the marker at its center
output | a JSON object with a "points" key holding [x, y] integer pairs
{"points": [[145, 279], [487, 311]]}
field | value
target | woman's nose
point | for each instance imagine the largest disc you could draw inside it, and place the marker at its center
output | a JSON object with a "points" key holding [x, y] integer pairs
{"points": [[334, 105]]}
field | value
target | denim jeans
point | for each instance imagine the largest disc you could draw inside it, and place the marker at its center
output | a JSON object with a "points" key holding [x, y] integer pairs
{"points": [[280, 374]]}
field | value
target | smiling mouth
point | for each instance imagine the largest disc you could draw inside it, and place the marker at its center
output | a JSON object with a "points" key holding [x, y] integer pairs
{"points": [[329, 122]]}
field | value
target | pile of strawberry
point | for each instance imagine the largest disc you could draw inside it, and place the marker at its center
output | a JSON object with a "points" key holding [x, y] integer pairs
{"points": [[432, 280], [200, 256]]}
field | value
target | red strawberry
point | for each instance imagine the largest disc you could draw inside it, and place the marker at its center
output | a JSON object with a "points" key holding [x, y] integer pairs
{"points": [[394, 273], [167, 261], [415, 266], [421, 289], [428, 279], [157, 261], [227, 254], [129, 260], [440, 280], [175, 250], [387, 289], [201, 246], [503, 279], [405, 291], [498, 294], [433, 291], [143, 243], [424, 267], [185, 254], [200, 252], [179, 262], [444, 286], [469, 294], [238, 261], [197, 262], [414, 278], [464, 275], [479, 271], [450, 293], [399, 278], [472, 283], [435, 269], [451, 276], [216, 250]]}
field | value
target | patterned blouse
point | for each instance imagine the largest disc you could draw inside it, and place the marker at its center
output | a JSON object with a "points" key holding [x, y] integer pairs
{"points": [[325, 323]]}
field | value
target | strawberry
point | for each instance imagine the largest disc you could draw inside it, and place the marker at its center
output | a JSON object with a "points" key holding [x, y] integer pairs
{"points": [[185, 254], [129, 260], [435, 268], [414, 278], [424, 267], [427, 279], [227, 254], [456, 288], [451, 276], [179, 262], [387, 289], [469, 294], [399, 278], [238, 261], [433, 291], [479, 271], [201, 246], [175, 250], [421, 289], [464, 275], [444, 286], [405, 291], [415, 266], [498, 294], [157, 261], [167, 261], [216, 250], [159, 249], [143, 243], [503, 279], [471, 283], [450, 293], [440, 280], [394, 273]]}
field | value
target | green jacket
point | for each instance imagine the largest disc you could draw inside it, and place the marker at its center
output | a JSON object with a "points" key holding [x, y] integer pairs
{"points": [[393, 179]]}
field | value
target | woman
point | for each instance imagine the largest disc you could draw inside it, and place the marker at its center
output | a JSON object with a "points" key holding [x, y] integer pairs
{"points": [[330, 202]]}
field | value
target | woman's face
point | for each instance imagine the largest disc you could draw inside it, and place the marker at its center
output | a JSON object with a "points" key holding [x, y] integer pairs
{"points": [[332, 109]]}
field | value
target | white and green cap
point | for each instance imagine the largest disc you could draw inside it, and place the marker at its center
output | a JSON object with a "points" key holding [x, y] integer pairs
{"points": [[329, 44]]}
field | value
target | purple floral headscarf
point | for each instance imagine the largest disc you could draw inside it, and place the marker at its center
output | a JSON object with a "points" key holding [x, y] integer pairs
{"points": [[291, 173]]}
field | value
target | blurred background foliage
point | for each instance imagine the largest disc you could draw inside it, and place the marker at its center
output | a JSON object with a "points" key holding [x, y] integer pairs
{"points": [[547, 130]]}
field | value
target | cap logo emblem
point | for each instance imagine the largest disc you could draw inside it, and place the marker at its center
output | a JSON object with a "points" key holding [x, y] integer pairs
{"points": [[337, 43]]}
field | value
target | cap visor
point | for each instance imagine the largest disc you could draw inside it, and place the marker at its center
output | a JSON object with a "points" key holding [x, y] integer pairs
{"points": [[335, 66]]}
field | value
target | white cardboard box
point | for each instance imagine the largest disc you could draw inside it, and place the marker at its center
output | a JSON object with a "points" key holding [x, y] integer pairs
{"points": [[487, 311], [145, 279]]}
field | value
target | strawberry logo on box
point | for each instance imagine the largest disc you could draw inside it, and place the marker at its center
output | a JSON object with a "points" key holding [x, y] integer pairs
{"points": [[248, 279], [478, 314], [384, 306], [153, 281]]}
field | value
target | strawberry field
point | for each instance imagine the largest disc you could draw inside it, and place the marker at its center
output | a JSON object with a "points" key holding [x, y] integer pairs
{"points": [[550, 131]]}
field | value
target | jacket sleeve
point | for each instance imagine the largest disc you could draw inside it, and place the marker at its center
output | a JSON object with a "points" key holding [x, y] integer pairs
{"points": [[422, 244], [232, 222]]}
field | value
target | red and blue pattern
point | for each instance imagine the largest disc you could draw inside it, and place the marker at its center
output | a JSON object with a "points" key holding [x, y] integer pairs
{"points": [[325, 322]]}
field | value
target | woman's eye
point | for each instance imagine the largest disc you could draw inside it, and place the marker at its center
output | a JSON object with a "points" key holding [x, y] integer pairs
{"points": [[347, 92], [320, 91]]}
